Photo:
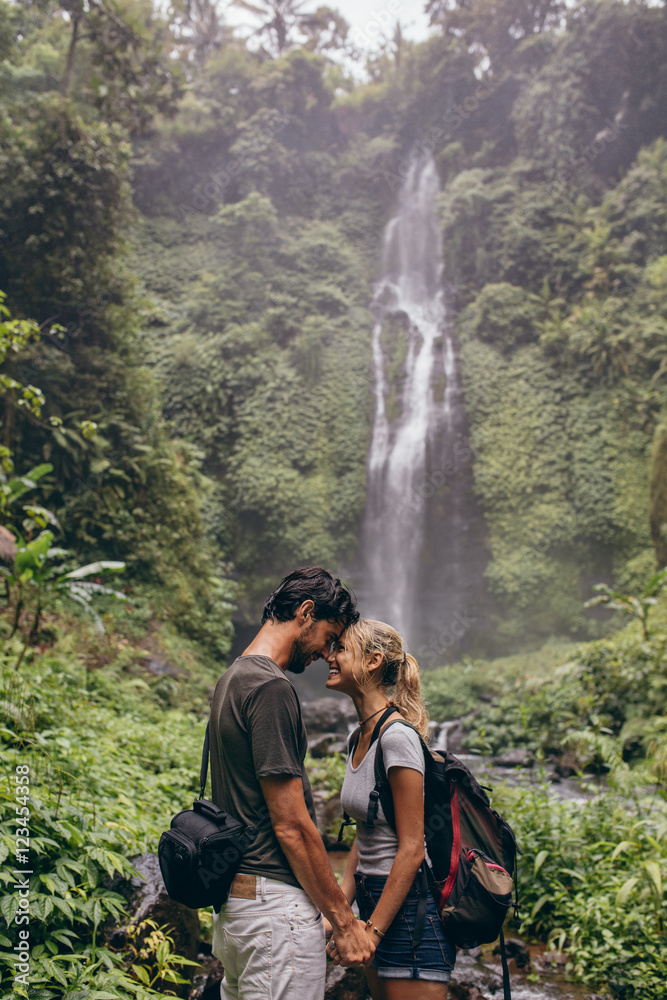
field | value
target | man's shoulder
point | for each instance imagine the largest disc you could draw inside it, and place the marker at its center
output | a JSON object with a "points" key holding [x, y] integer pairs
{"points": [[252, 676], [251, 671]]}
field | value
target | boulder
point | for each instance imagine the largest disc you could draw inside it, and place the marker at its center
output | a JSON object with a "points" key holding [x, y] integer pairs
{"points": [[345, 984], [517, 950], [518, 757], [448, 736], [206, 983], [465, 991], [473, 980], [328, 715], [329, 813], [160, 668], [566, 766], [328, 743]]}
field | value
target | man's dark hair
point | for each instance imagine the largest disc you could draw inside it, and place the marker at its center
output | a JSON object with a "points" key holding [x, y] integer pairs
{"points": [[333, 601]]}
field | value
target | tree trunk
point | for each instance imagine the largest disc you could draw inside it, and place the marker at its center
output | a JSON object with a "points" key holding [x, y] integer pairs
{"points": [[64, 85]]}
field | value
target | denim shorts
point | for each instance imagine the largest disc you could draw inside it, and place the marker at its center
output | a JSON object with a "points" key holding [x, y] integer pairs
{"points": [[396, 957]]}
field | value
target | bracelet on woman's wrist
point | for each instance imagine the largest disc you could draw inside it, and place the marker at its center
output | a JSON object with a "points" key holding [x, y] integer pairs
{"points": [[369, 923]]}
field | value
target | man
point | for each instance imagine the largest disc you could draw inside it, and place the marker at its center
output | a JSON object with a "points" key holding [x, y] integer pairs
{"points": [[269, 936]]}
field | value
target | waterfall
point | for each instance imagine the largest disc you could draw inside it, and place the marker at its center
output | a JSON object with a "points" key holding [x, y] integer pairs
{"points": [[420, 505]]}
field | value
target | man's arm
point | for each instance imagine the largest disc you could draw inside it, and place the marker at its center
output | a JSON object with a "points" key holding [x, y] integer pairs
{"points": [[302, 845]]}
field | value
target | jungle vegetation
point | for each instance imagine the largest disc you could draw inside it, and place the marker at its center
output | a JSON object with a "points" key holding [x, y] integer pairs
{"points": [[189, 232]]}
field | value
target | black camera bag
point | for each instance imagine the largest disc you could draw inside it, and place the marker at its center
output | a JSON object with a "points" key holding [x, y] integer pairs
{"points": [[203, 849]]}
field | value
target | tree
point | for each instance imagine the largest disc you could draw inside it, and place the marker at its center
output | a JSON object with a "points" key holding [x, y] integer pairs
{"points": [[280, 18], [199, 28], [285, 24], [117, 56], [495, 29]]}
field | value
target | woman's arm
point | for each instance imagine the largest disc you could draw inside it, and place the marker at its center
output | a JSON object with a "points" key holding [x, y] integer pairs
{"points": [[407, 787], [348, 886]]}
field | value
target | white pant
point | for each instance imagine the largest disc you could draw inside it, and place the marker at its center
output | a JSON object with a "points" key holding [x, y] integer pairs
{"points": [[272, 947]]}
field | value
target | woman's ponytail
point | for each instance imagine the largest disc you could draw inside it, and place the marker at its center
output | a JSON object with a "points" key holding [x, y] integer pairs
{"points": [[408, 699]]}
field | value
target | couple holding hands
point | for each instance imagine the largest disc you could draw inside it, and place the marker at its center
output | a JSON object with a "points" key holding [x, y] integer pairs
{"points": [[270, 934]]}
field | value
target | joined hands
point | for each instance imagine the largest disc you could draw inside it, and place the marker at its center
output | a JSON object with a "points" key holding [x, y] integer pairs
{"points": [[352, 947]]}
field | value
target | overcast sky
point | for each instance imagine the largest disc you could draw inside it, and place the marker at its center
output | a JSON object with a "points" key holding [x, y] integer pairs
{"points": [[368, 19], [364, 15]]}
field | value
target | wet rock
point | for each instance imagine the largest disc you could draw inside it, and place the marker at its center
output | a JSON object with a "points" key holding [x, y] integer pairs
{"points": [[448, 736], [328, 715], [455, 737], [147, 899], [323, 746], [474, 981], [514, 758], [206, 983], [160, 668], [465, 991], [566, 766], [549, 961], [345, 984], [331, 844], [517, 950], [329, 815]]}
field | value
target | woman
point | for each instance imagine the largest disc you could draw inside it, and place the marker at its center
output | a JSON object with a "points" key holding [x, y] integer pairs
{"points": [[368, 664]]}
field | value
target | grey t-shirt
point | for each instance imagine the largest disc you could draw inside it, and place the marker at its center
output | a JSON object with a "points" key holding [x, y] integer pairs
{"points": [[256, 731], [378, 843]]}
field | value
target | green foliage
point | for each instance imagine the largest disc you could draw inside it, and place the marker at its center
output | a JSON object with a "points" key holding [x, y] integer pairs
{"points": [[34, 582], [153, 959], [658, 490], [592, 883], [614, 687], [61, 176], [638, 607], [561, 427], [504, 315], [99, 794], [277, 323], [114, 58]]}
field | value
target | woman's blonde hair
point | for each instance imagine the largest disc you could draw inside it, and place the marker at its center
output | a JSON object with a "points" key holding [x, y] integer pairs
{"points": [[399, 669]]}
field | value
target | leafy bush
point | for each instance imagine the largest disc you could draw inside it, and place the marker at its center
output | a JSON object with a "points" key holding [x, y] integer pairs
{"points": [[109, 763], [592, 882], [614, 687]]}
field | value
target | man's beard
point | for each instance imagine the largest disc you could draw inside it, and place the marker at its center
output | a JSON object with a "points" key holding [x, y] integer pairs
{"points": [[299, 657]]}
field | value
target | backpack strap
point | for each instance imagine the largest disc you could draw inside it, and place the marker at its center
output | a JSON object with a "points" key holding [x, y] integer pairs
{"points": [[203, 772], [507, 994], [352, 746], [382, 793]]}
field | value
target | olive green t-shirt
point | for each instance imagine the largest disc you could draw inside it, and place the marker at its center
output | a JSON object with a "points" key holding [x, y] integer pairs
{"points": [[256, 730]]}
